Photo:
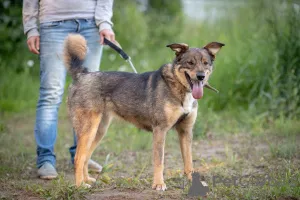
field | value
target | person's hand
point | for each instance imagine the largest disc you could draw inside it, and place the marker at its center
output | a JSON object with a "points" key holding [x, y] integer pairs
{"points": [[33, 44], [108, 34]]}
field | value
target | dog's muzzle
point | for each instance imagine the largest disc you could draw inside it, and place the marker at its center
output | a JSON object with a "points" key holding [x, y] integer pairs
{"points": [[200, 76], [196, 85]]}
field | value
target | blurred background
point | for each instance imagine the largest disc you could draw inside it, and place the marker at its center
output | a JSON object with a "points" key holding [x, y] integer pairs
{"points": [[257, 72]]}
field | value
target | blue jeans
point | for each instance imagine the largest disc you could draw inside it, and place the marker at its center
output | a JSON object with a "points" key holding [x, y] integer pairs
{"points": [[53, 76]]}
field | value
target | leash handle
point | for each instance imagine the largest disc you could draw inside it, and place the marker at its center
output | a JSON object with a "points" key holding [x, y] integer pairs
{"points": [[117, 49]]}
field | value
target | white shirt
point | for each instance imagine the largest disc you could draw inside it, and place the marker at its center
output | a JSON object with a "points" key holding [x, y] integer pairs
{"points": [[40, 11]]}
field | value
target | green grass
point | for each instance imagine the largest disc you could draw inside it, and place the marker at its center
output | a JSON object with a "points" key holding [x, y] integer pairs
{"points": [[251, 127], [59, 189], [18, 92], [286, 149], [127, 160]]}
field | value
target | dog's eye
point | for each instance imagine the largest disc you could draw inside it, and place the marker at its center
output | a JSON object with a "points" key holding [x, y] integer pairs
{"points": [[190, 62], [205, 63]]}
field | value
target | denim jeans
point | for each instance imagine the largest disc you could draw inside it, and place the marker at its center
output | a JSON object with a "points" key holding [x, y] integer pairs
{"points": [[53, 76]]}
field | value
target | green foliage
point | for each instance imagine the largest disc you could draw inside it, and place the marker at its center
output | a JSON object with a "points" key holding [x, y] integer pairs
{"points": [[283, 126], [287, 150], [11, 26], [60, 189], [11, 34], [285, 80], [17, 91], [256, 71], [165, 7], [130, 26], [163, 16]]}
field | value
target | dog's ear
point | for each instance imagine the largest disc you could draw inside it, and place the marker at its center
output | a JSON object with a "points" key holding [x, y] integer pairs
{"points": [[213, 48], [179, 48]]}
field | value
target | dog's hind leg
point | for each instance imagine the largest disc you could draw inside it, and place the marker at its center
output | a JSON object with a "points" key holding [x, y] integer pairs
{"points": [[86, 124], [102, 129], [159, 137], [185, 135]]}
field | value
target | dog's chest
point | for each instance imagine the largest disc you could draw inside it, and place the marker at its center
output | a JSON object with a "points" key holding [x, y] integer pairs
{"points": [[187, 104]]}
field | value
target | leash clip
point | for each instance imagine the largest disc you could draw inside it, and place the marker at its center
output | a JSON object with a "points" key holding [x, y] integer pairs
{"points": [[121, 52], [131, 64]]}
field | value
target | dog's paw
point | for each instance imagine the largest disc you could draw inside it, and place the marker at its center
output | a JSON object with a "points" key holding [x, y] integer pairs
{"points": [[159, 187], [188, 174], [90, 179]]}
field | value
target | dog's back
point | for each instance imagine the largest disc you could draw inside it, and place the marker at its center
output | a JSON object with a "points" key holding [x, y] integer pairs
{"points": [[133, 97]]}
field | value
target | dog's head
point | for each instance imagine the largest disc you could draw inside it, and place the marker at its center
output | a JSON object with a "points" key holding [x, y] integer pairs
{"points": [[193, 66]]}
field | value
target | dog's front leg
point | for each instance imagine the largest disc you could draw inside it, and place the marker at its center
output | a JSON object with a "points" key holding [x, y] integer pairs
{"points": [[159, 137], [185, 134], [185, 139]]}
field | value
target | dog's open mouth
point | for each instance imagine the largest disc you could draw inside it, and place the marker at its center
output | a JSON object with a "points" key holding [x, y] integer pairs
{"points": [[196, 86]]}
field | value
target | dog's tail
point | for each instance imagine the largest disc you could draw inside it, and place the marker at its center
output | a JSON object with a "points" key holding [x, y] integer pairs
{"points": [[75, 50]]}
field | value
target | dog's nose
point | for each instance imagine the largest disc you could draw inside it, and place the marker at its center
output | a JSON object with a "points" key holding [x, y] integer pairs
{"points": [[200, 76]]}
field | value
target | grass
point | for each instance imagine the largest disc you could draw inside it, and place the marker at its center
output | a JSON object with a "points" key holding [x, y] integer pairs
{"points": [[59, 189], [128, 169], [250, 128], [17, 91], [286, 149]]}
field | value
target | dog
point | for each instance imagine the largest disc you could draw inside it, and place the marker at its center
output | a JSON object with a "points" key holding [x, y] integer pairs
{"points": [[154, 101]]}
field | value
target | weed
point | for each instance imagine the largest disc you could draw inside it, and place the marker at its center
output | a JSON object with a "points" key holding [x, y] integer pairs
{"points": [[60, 189], [286, 149]]}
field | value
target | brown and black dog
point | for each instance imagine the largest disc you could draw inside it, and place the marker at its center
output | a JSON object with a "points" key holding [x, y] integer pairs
{"points": [[154, 101]]}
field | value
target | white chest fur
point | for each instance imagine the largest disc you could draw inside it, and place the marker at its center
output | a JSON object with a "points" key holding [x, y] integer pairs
{"points": [[188, 103]]}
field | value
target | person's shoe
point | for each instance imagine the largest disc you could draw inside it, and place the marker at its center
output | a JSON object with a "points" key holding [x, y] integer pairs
{"points": [[47, 171], [94, 166]]}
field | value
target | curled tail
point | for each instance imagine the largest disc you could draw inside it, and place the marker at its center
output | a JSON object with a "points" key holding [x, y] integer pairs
{"points": [[75, 50]]}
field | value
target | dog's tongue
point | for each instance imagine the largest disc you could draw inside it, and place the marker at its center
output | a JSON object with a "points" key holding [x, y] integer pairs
{"points": [[197, 91]]}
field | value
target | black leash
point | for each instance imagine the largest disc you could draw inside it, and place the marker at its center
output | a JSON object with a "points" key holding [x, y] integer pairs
{"points": [[121, 52]]}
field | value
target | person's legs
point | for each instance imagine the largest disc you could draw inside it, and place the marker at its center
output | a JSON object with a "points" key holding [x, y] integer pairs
{"points": [[91, 33], [52, 81], [88, 29]]}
